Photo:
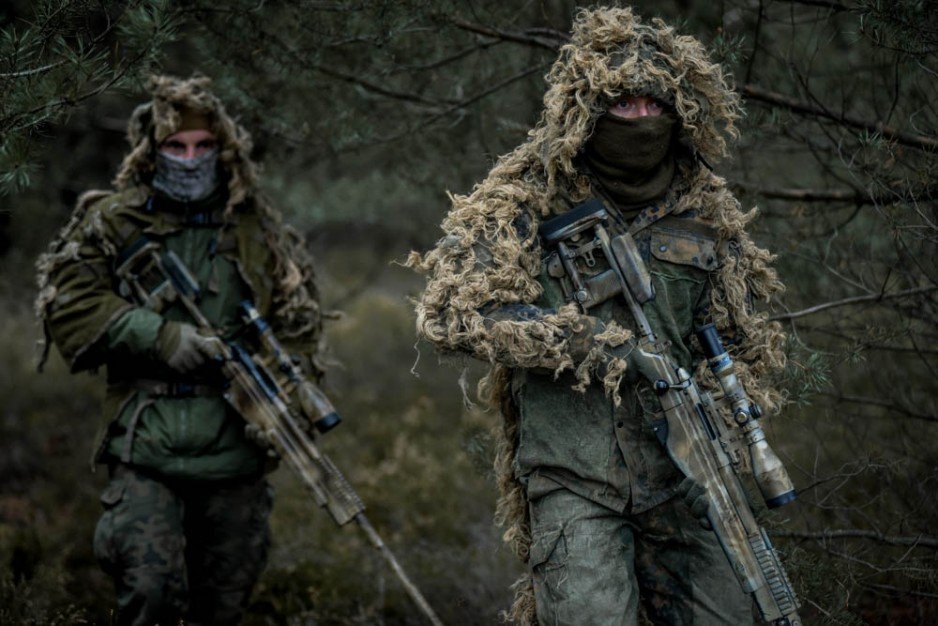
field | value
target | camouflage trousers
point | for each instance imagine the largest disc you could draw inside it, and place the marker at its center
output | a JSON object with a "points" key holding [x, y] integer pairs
{"points": [[182, 549], [592, 565]]}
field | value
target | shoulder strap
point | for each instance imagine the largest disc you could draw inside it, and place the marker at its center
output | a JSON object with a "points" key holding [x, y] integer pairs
{"points": [[688, 223], [649, 215]]}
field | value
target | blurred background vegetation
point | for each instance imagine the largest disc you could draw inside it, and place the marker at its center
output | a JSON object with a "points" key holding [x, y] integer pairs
{"points": [[364, 115]]}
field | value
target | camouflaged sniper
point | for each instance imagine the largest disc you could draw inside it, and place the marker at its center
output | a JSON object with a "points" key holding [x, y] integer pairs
{"points": [[490, 256], [76, 300], [291, 293]]}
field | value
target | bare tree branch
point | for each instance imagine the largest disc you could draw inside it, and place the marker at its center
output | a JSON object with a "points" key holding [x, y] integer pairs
{"points": [[925, 541], [852, 196], [865, 344], [899, 590], [881, 403], [532, 37], [824, 4], [873, 297], [921, 142], [376, 88]]}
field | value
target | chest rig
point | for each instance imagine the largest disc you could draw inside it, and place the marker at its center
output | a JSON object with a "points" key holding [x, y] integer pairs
{"points": [[583, 245]]}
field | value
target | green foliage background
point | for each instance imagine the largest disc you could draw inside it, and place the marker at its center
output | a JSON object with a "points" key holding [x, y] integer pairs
{"points": [[364, 115]]}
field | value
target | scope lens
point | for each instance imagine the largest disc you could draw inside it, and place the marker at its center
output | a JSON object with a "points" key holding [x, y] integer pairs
{"points": [[328, 422], [782, 500]]}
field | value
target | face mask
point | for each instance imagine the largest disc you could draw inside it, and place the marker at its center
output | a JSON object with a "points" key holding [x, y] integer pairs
{"points": [[632, 159], [637, 145], [186, 180]]}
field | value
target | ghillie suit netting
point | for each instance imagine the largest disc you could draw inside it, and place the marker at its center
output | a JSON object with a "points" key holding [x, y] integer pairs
{"points": [[295, 310], [485, 259]]}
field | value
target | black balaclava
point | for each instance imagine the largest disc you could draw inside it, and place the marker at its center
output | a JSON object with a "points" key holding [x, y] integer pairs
{"points": [[632, 158]]}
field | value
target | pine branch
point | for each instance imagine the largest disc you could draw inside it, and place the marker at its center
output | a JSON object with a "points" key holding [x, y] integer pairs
{"points": [[536, 38], [872, 345], [35, 70]]}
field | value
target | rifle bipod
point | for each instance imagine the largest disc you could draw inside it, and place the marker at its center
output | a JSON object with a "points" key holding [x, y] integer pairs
{"points": [[409, 586]]}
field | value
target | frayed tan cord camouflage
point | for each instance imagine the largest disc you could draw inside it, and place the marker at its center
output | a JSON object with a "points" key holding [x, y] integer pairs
{"points": [[611, 52]]}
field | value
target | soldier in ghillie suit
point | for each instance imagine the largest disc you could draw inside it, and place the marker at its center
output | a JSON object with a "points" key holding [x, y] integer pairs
{"points": [[184, 532], [590, 500]]}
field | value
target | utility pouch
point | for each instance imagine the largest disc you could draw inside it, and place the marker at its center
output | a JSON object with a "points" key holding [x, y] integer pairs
{"points": [[572, 237]]}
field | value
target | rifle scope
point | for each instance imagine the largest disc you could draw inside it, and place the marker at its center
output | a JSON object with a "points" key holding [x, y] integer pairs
{"points": [[767, 469], [315, 404]]}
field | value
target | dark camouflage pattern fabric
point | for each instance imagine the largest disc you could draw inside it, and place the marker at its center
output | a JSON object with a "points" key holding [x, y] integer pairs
{"points": [[593, 565], [182, 550], [604, 452], [608, 533], [184, 532]]}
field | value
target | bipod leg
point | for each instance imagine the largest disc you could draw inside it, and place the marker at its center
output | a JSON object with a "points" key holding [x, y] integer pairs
{"points": [[409, 586]]}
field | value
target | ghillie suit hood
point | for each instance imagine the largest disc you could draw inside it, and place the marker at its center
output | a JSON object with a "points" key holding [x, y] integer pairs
{"points": [[98, 214], [154, 121], [490, 254]]}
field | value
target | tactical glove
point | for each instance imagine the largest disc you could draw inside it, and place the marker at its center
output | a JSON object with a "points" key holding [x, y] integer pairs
{"points": [[582, 341], [695, 497], [639, 366], [258, 436], [182, 348]]}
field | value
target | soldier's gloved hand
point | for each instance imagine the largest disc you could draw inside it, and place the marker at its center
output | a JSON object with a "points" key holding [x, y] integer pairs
{"points": [[582, 341], [181, 347], [638, 366], [695, 497], [258, 436]]}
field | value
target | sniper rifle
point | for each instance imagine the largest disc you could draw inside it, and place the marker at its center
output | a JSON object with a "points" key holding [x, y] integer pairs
{"points": [[265, 387], [699, 439]]}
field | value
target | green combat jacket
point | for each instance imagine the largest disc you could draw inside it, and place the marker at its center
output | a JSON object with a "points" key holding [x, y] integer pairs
{"points": [[235, 257], [582, 441]]}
